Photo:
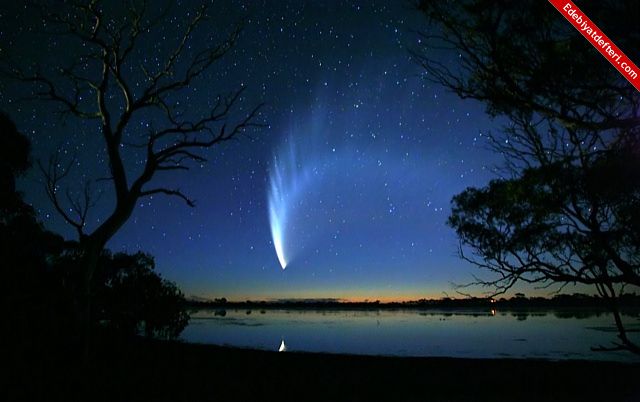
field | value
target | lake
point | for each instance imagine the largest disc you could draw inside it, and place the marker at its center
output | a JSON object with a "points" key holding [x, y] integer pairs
{"points": [[556, 334]]}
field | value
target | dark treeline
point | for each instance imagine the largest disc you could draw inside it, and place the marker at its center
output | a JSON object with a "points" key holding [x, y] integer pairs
{"points": [[576, 300]]}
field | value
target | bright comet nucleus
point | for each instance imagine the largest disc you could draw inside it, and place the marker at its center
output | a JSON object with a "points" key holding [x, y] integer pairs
{"points": [[275, 217]]}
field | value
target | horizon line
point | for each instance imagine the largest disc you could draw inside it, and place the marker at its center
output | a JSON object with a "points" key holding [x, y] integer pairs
{"points": [[194, 298]]}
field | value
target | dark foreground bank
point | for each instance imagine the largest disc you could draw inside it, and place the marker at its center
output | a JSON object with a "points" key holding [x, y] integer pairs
{"points": [[163, 371]]}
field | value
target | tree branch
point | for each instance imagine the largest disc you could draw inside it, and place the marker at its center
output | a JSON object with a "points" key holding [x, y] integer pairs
{"points": [[165, 191]]}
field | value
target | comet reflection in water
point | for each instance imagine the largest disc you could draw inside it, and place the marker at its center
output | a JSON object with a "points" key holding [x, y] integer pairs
{"points": [[287, 181]]}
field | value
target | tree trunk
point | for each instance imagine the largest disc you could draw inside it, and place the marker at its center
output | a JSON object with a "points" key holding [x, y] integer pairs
{"points": [[91, 251]]}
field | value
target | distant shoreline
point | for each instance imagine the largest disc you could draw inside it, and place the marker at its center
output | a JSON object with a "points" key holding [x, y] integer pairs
{"points": [[576, 301]]}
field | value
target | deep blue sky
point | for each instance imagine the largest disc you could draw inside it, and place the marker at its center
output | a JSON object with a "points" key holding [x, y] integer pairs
{"points": [[387, 150]]}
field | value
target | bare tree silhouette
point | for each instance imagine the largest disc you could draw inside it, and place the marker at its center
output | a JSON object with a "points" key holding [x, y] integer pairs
{"points": [[110, 85]]}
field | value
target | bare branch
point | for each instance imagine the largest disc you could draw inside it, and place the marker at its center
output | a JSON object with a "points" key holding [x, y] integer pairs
{"points": [[54, 173], [99, 86], [46, 90], [165, 191]]}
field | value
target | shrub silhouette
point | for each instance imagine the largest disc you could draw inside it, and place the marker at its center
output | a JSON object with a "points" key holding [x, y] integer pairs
{"points": [[132, 298]]}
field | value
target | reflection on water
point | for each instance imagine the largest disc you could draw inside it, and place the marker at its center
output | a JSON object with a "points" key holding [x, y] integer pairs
{"points": [[558, 334]]}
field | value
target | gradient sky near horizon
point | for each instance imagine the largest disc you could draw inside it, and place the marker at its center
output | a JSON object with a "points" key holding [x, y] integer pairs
{"points": [[386, 148]]}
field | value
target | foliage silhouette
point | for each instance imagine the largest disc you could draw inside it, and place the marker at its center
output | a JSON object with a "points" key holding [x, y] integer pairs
{"points": [[43, 276], [131, 297], [566, 209], [36, 313]]}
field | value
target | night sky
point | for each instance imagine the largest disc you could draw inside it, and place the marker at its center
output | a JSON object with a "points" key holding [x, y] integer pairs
{"points": [[365, 152]]}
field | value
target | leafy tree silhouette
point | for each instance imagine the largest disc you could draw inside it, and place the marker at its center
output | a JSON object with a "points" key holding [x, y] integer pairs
{"points": [[566, 208], [27, 250]]}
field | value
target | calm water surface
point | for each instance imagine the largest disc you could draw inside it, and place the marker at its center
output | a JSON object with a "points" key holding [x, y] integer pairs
{"points": [[476, 334]]}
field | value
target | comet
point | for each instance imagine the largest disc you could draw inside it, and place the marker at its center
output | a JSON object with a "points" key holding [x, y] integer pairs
{"points": [[293, 171], [278, 214], [286, 181]]}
